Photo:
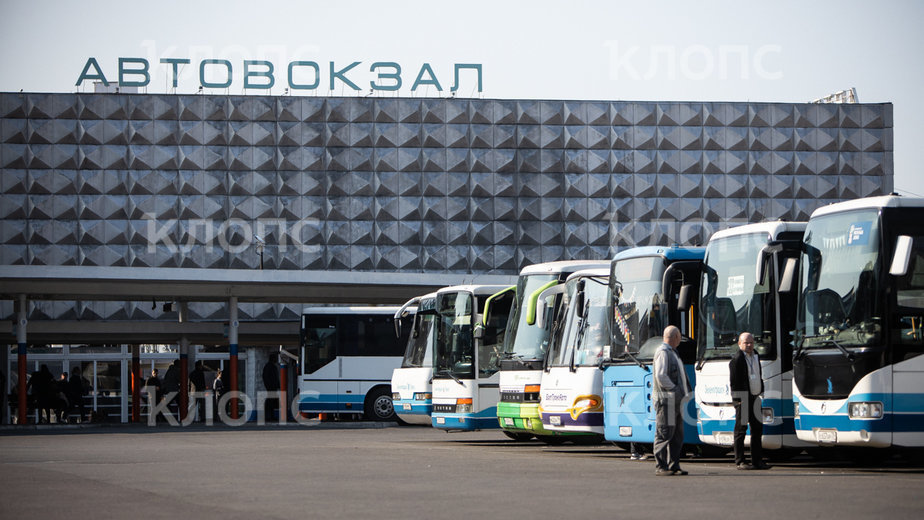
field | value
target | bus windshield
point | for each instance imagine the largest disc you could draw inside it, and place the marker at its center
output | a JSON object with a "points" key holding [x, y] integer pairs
{"points": [[524, 341], [419, 346], [639, 313], [732, 300], [838, 307], [455, 351], [585, 339]]}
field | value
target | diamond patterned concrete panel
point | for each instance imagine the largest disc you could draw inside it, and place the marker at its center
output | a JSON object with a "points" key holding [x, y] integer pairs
{"points": [[450, 185]]}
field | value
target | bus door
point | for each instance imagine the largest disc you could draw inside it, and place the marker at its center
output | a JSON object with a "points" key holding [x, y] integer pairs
{"points": [[322, 367], [490, 342], [907, 336]]}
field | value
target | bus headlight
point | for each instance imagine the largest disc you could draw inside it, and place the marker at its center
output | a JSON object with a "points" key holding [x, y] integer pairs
{"points": [[423, 396], [865, 410], [396, 396], [795, 410], [464, 405], [767, 414]]}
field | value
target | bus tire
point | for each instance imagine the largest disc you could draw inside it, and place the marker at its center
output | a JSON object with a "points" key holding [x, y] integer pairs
{"points": [[379, 406]]}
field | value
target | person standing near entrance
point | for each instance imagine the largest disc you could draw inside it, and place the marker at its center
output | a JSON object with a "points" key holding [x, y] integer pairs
{"points": [[218, 390], [669, 386], [746, 384], [75, 391], [154, 383], [271, 384], [197, 382], [171, 385]]}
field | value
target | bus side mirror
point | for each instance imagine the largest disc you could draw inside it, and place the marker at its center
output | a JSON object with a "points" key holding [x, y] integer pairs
{"points": [[789, 275], [683, 299], [542, 307], [478, 333], [902, 256]]}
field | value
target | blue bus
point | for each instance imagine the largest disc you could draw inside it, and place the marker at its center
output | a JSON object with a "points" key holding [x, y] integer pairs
{"points": [[651, 288]]}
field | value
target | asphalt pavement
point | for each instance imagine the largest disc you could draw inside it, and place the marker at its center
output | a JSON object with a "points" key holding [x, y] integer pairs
{"points": [[373, 470]]}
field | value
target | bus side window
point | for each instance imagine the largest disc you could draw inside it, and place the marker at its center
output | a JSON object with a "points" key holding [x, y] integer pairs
{"points": [[493, 340], [909, 338], [320, 342]]}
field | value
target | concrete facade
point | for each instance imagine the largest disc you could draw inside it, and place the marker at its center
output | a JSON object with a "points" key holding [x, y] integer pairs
{"points": [[404, 185]]}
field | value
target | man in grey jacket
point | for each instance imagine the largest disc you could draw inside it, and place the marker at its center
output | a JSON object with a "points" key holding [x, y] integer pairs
{"points": [[669, 386]]}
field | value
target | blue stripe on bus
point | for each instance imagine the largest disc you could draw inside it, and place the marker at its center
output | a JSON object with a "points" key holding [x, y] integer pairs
{"points": [[464, 422], [417, 407], [705, 427], [897, 403], [904, 422], [333, 403], [708, 426], [484, 420]]}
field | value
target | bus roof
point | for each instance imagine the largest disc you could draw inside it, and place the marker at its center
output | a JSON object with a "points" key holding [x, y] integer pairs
{"points": [[474, 289], [773, 229], [885, 201], [588, 273], [351, 309], [669, 253], [562, 266]]}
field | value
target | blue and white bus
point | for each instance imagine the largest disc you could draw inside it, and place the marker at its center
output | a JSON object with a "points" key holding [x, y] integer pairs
{"points": [[572, 382], [348, 357], [739, 293], [651, 287], [470, 325], [526, 345], [411, 384], [858, 372]]}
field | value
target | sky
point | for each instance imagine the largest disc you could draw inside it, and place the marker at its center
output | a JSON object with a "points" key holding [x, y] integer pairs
{"points": [[781, 51]]}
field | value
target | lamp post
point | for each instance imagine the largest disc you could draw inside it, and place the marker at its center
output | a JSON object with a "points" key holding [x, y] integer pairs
{"points": [[261, 245]]}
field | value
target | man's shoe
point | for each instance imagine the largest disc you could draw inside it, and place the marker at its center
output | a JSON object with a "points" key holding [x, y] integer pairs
{"points": [[762, 465], [680, 472], [744, 466], [663, 473]]}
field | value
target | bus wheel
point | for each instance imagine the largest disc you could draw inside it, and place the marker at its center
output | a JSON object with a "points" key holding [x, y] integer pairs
{"points": [[517, 436], [379, 406]]}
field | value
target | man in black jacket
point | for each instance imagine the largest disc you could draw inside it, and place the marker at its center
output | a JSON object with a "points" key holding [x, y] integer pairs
{"points": [[271, 384], [746, 384]]}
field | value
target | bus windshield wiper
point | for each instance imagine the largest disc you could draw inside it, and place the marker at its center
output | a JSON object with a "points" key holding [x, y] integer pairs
{"points": [[453, 376], [516, 357], [627, 354], [825, 339], [843, 350], [798, 353]]}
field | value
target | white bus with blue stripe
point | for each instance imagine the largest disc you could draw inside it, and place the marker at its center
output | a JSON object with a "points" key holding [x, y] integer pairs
{"points": [[740, 293], [411, 384], [348, 357], [471, 320], [858, 372]]}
